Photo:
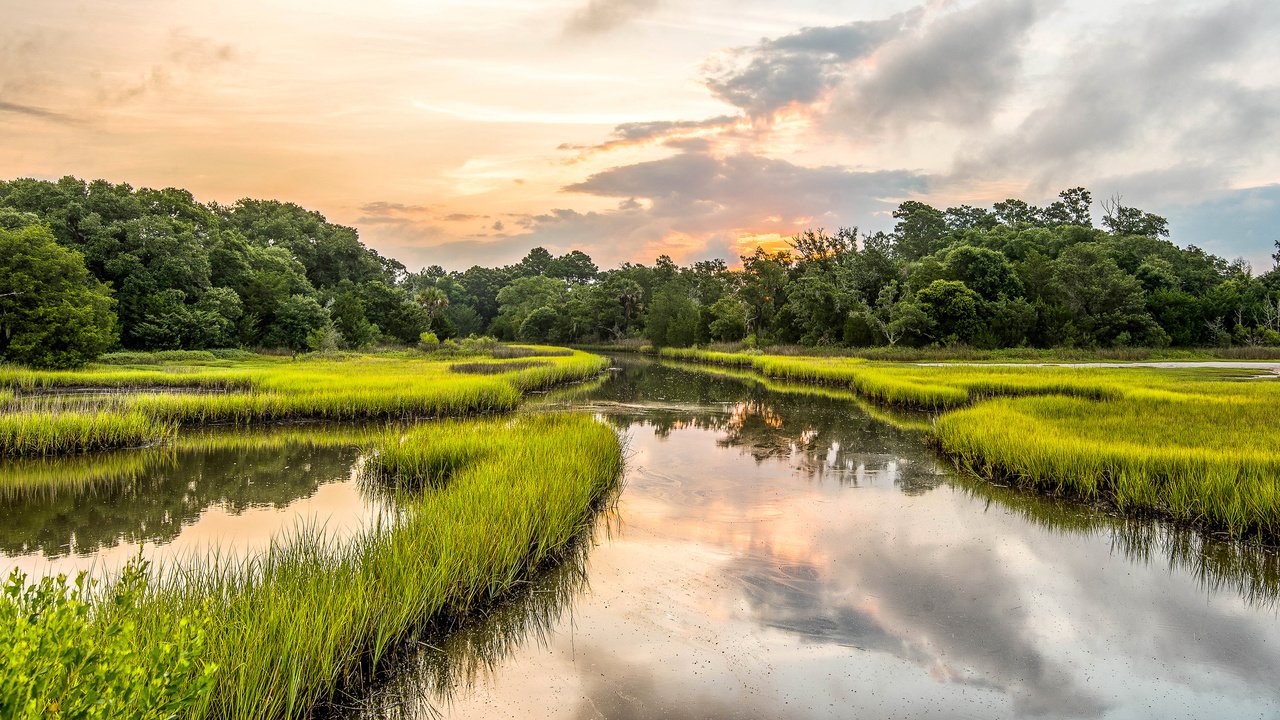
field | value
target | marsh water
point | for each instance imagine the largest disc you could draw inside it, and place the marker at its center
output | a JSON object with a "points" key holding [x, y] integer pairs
{"points": [[776, 552]]}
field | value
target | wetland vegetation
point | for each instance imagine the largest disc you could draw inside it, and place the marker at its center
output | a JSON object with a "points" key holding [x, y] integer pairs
{"points": [[476, 505], [136, 377], [1197, 445]]}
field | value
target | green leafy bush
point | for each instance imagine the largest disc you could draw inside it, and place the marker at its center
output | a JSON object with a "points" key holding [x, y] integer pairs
{"points": [[68, 653]]}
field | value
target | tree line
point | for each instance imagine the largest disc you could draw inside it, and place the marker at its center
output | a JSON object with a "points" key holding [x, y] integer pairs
{"points": [[90, 266], [1008, 276]]}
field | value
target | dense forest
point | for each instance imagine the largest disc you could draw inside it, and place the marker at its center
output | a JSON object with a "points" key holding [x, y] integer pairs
{"points": [[86, 267]]}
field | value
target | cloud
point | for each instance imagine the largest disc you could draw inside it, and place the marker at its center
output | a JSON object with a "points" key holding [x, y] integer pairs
{"points": [[673, 133], [601, 16], [186, 58], [955, 70], [797, 68], [1152, 85], [1231, 223], [35, 112], [697, 206], [703, 189], [460, 217], [391, 213]]}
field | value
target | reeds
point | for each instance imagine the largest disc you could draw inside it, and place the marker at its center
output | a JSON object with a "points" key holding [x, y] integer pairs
{"points": [[288, 627], [263, 390], [72, 432], [1199, 446], [1211, 464]]}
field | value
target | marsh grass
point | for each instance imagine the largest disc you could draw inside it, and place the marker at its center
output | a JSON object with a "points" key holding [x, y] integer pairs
{"points": [[72, 432], [390, 387], [1209, 463], [502, 498], [483, 504], [1198, 446]]}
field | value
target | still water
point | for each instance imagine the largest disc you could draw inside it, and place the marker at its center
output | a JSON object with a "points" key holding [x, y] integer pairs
{"points": [[775, 553]]}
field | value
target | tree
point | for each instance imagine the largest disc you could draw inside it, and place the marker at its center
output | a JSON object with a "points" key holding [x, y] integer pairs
{"points": [[524, 295], [1122, 220], [347, 312], [673, 317], [920, 230], [1105, 302], [763, 287], [1015, 213], [575, 268], [984, 271], [1072, 208], [897, 315], [537, 262], [297, 322], [433, 301], [53, 313], [729, 319], [954, 311], [539, 325]]}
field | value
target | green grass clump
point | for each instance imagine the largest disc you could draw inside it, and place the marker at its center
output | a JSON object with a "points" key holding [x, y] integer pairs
{"points": [[288, 626], [72, 432], [1213, 464]]}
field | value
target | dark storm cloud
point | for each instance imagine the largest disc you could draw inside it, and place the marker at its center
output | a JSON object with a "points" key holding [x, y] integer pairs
{"points": [[601, 16], [1156, 81], [800, 67], [955, 70]]}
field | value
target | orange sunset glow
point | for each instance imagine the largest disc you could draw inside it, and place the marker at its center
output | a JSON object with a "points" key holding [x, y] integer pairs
{"points": [[458, 133]]}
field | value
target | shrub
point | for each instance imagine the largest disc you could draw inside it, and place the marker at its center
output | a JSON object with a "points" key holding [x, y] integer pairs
{"points": [[69, 655]]}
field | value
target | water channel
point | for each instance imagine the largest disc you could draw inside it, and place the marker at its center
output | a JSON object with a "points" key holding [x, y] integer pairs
{"points": [[775, 552]]}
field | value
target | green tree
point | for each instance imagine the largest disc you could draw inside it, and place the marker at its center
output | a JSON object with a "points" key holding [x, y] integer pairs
{"points": [[347, 312], [1105, 302], [897, 315], [954, 311], [539, 326], [920, 231], [673, 317], [575, 268], [1120, 219], [984, 271], [524, 295], [729, 319], [53, 313], [298, 320]]}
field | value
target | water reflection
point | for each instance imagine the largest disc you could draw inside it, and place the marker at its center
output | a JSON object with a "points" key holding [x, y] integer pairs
{"points": [[786, 554], [213, 488], [443, 661]]}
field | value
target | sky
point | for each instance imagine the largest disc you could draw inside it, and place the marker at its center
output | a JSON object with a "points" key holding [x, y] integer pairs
{"points": [[459, 133]]}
